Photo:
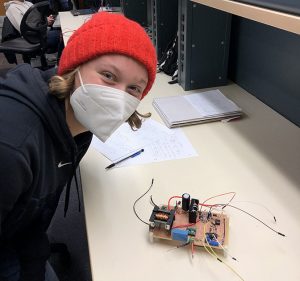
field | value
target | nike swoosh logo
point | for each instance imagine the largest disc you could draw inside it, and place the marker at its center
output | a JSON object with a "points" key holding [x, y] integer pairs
{"points": [[60, 164]]}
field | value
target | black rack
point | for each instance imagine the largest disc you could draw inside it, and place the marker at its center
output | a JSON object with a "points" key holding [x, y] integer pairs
{"points": [[164, 23], [135, 10], [204, 35]]}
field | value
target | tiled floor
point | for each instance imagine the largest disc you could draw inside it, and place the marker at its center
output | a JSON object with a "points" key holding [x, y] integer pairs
{"points": [[5, 66]]}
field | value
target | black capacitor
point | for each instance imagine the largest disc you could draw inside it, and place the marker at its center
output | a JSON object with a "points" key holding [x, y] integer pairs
{"points": [[192, 216], [193, 210], [195, 202], [185, 201]]}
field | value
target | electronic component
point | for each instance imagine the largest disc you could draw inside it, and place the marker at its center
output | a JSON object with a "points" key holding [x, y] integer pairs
{"points": [[185, 201], [207, 227], [180, 234], [211, 239], [211, 235], [192, 215], [192, 231], [217, 235], [193, 210], [208, 215], [161, 217]]}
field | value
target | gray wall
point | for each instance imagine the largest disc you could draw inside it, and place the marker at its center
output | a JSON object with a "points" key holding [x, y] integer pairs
{"points": [[265, 61]]}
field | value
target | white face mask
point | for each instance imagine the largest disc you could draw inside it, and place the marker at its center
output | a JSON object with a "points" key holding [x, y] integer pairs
{"points": [[102, 109]]}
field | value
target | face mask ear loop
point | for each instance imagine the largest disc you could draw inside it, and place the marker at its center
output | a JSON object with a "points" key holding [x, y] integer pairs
{"points": [[81, 83]]}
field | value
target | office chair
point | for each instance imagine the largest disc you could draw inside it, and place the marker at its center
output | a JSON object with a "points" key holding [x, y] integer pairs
{"points": [[34, 35]]}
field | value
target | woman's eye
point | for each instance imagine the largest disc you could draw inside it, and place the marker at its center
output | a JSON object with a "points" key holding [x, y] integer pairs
{"points": [[135, 91], [108, 75]]}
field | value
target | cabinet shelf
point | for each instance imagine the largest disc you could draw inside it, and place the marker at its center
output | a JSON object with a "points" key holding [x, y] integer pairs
{"points": [[273, 18]]}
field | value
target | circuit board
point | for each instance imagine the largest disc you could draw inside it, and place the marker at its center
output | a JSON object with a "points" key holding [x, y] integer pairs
{"points": [[209, 227], [195, 223]]}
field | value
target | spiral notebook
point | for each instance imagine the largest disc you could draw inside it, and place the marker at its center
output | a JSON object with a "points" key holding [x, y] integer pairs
{"points": [[195, 108]]}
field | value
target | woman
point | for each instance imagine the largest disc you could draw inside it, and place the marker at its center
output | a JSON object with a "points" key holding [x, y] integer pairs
{"points": [[107, 67]]}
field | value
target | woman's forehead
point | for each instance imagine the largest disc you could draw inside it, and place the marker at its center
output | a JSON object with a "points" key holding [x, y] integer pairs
{"points": [[121, 64]]}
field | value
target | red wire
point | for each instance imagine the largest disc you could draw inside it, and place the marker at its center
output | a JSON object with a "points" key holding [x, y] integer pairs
{"points": [[171, 199], [219, 195], [201, 204], [204, 205], [185, 225], [234, 193]]}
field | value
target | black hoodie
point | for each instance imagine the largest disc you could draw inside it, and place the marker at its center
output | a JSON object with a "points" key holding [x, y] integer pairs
{"points": [[38, 157]]}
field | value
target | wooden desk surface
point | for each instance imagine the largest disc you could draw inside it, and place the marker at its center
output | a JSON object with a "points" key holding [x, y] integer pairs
{"points": [[258, 157]]}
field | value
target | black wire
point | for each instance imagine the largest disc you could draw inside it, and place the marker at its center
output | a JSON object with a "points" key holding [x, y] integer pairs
{"points": [[253, 217], [138, 200], [153, 201]]}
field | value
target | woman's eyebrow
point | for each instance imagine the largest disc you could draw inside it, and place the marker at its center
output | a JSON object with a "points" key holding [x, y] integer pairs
{"points": [[137, 79], [142, 81], [113, 67], [118, 72]]}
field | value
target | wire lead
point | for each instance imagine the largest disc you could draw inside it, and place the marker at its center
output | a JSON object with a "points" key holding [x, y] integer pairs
{"points": [[255, 219], [134, 210]]}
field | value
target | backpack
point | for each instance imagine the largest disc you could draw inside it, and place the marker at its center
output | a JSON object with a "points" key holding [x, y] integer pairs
{"points": [[169, 60], [9, 33]]}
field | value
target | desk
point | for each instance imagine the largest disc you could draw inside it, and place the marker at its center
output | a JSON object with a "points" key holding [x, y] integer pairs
{"points": [[258, 157], [70, 23]]}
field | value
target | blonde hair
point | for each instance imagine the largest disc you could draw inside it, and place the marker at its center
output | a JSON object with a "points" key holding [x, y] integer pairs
{"points": [[62, 86]]}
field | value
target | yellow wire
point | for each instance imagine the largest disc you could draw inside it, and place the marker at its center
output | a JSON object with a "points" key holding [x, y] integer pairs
{"points": [[213, 254]]}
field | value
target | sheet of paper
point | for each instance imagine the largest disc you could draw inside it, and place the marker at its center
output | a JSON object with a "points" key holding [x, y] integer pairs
{"points": [[211, 103], [159, 144]]}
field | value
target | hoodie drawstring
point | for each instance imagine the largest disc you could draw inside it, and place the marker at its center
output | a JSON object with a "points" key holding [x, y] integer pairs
{"points": [[77, 189]]}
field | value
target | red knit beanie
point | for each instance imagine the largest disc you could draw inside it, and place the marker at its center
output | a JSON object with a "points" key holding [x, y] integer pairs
{"points": [[109, 33]]}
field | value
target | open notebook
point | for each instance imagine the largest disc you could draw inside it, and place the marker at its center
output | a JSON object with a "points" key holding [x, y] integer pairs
{"points": [[195, 108]]}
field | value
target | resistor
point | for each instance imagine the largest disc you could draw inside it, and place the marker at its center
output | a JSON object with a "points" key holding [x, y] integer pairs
{"points": [[161, 216]]}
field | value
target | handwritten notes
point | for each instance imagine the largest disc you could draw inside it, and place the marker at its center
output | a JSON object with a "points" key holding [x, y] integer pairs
{"points": [[159, 143]]}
